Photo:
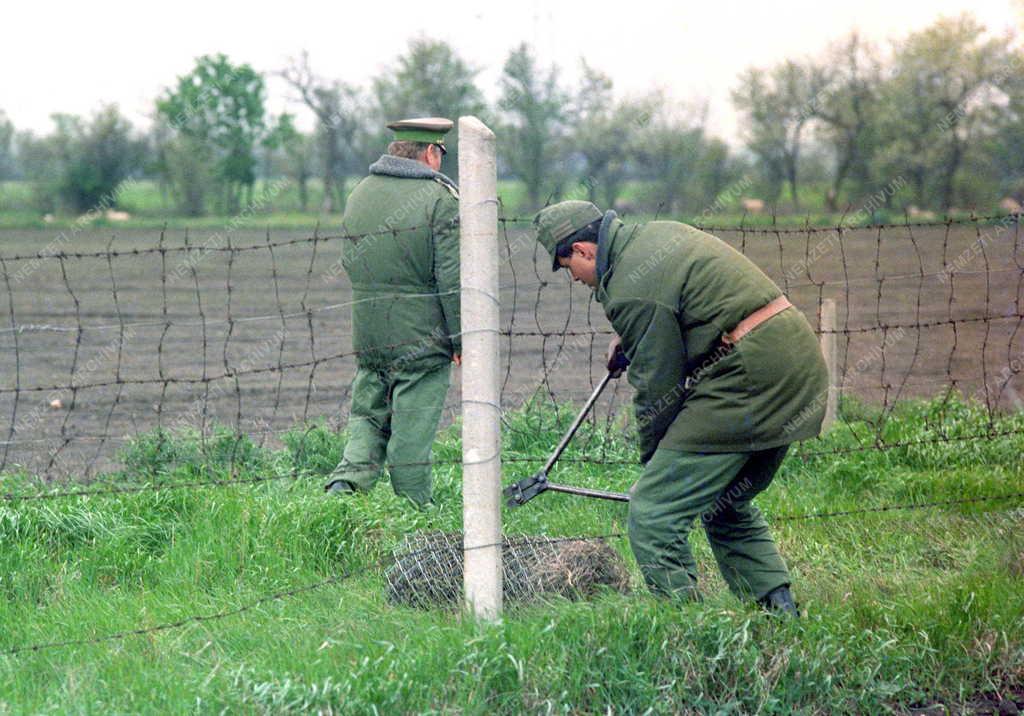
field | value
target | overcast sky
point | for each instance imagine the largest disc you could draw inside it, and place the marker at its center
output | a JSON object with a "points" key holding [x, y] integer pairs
{"points": [[71, 57]]}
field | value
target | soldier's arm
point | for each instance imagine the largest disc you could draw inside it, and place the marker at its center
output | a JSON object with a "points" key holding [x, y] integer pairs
{"points": [[445, 231], [654, 347]]}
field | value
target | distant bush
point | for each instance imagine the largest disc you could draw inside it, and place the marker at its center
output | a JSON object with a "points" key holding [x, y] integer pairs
{"points": [[82, 164]]}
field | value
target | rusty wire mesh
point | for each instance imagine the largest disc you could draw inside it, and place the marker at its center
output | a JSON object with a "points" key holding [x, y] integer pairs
{"points": [[427, 569]]}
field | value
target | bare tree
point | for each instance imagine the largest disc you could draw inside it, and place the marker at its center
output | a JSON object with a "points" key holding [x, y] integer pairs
{"points": [[777, 107], [603, 133], [6, 147], [670, 147], [534, 105], [336, 107], [846, 103]]}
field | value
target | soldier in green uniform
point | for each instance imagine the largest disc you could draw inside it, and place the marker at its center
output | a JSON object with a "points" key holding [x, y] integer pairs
{"points": [[727, 374], [404, 269]]}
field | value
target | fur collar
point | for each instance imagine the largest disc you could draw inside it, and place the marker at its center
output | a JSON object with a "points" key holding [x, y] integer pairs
{"points": [[392, 166]]}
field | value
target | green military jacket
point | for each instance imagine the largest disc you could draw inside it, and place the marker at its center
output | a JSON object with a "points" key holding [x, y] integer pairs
{"points": [[671, 291], [403, 265]]}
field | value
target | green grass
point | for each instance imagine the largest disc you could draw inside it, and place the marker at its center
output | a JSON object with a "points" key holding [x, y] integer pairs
{"points": [[903, 608]]}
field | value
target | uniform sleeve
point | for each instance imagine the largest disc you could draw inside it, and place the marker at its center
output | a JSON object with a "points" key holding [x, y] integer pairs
{"points": [[654, 347], [445, 232]]}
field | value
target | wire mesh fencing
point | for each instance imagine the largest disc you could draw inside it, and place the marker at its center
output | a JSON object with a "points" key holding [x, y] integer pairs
{"points": [[427, 570], [226, 338], [924, 311], [245, 337], [424, 571], [249, 338]]}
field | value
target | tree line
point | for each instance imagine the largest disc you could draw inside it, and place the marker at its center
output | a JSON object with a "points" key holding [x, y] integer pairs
{"points": [[940, 115]]}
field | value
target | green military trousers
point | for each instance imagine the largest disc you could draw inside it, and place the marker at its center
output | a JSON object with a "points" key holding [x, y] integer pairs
{"points": [[678, 487], [393, 423]]}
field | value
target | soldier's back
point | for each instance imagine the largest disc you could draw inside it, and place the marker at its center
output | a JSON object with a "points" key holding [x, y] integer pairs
{"points": [[390, 263]]}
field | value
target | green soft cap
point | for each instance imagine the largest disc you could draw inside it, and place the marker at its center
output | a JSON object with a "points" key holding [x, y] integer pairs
{"points": [[559, 221]]}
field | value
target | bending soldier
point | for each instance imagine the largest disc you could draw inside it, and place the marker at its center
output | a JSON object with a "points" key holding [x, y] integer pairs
{"points": [[727, 374]]}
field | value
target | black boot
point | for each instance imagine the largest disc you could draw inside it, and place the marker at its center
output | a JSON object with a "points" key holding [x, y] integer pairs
{"points": [[779, 601], [339, 487]]}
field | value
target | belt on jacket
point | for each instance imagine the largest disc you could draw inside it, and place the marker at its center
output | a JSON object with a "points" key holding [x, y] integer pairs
{"points": [[755, 319], [694, 367]]}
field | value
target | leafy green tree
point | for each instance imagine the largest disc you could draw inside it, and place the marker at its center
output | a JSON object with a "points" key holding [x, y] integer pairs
{"points": [[186, 173], [219, 108], [431, 79], [939, 103], [1005, 148], [909, 145], [296, 154], [82, 163], [534, 123], [42, 171]]}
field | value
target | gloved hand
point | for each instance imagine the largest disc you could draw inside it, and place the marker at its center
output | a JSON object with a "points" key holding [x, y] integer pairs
{"points": [[617, 361]]}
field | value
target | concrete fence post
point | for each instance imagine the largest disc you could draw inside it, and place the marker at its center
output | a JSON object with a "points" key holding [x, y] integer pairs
{"points": [[481, 387], [828, 349]]}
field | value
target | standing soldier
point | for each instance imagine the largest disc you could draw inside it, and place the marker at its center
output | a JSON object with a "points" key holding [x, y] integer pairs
{"points": [[405, 310], [727, 374]]}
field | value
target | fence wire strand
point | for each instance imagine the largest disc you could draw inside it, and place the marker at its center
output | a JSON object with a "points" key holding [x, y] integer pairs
{"points": [[446, 553], [252, 336], [232, 340]]}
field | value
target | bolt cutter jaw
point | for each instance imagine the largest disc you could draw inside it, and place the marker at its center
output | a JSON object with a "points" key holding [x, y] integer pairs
{"points": [[519, 493]]}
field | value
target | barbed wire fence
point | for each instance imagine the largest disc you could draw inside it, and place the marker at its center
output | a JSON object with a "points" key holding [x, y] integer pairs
{"points": [[253, 337], [248, 340], [256, 338], [925, 311], [429, 552], [103, 346]]}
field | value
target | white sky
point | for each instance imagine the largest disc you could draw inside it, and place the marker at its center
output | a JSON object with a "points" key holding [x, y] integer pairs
{"points": [[72, 56]]}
